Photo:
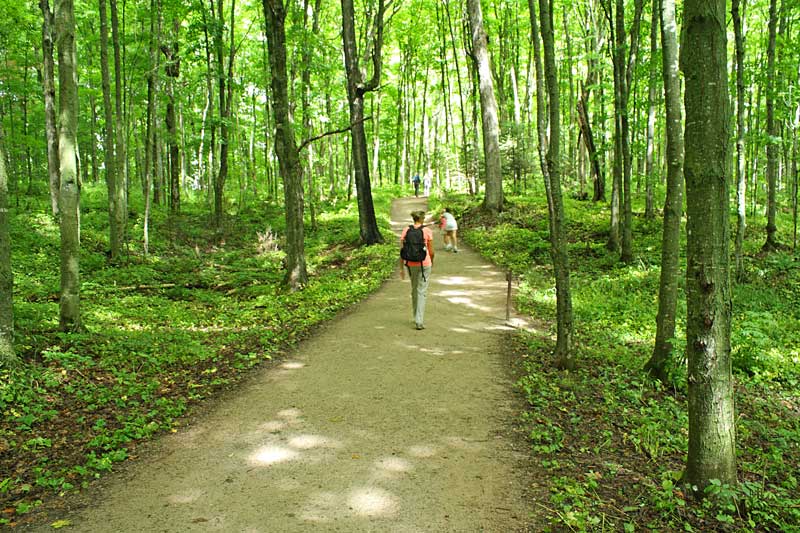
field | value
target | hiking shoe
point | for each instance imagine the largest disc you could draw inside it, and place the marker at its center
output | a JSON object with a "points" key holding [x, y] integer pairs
{"points": [[420, 326], [455, 250]]}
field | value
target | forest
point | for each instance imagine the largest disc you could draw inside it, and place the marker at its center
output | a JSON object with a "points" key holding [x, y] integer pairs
{"points": [[190, 189]]}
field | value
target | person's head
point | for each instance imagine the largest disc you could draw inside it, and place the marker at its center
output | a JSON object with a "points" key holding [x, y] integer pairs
{"points": [[418, 216], [446, 209]]}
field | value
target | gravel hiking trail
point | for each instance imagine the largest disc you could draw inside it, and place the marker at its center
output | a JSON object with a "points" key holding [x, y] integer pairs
{"points": [[367, 425]]}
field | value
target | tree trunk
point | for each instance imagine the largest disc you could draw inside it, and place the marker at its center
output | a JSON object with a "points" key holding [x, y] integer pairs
{"points": [[673, 204], [741, 171], [356, 89], [493, 200], [151, 118], [172, 68], [109, 148], [464, 153], [7, 355], [712, 441], [285, 146], [69, 196], [649, 170], [224, 82], [48, 81], [564, 354], [772, 133], [119, 216], [305, 97]]}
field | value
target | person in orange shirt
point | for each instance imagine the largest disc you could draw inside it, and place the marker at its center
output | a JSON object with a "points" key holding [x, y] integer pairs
{"points": [[416, 242]]}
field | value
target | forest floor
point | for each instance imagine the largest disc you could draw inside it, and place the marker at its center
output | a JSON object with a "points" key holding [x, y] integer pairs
{"points": [[367, 425]]}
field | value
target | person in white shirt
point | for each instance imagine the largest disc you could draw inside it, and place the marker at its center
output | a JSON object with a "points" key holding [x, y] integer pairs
{"points": [[449, 226]]}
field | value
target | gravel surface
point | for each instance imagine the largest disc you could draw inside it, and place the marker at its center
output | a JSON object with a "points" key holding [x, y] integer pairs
{"points": [[368, 425]]}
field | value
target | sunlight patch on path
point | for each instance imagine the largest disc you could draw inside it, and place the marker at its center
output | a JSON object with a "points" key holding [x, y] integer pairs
{"points": [[272, 454], [372, 502], [183, 498]]}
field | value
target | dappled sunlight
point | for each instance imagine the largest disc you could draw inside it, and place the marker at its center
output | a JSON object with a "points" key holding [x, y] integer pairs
{"points": [[460, 330], [292, 365], [433, 351], [372, 502], [273, 426], [272, 454], [460, 443], [423, 451], [452, 280], [308, 442], [291, 413], [183, 498], [394, 465], [469, 303]]}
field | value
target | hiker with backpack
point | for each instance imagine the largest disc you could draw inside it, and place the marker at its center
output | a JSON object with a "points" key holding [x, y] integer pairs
{"points": [[416, 181], [416, 255]]}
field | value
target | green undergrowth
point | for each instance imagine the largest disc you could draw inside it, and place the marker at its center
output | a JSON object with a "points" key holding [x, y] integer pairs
{"points": [[162, 332], [611, 440]]}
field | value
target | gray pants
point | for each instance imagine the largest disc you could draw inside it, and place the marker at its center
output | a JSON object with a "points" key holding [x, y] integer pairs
{"points": [[419, 288]]}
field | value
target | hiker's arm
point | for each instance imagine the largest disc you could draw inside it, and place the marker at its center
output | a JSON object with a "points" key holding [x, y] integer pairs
{"points": [[402, 270]]}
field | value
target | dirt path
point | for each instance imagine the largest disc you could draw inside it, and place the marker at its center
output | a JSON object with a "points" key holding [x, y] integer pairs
{"points": [[369, 425]]}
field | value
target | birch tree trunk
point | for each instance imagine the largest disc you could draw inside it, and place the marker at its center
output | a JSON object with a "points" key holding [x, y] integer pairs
{"points": [[7, 356], [48, 81], [69, 196], [493, 200], [712, 432], [285, 145], [673, 204]]}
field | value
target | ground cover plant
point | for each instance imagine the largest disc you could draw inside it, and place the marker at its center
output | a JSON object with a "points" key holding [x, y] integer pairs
{"points": [[163, 332], [612, 440]]}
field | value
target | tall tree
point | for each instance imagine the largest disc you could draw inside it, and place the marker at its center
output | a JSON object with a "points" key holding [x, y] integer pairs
{"points": [[172, 68], [673, 204], [119, 205], [712, 441], [741, 174], [623, 71], [652, 91], [69, 197], [772, 132], [7, 355], [285, 145], [564, 354], [225, 88], [356, 89], [49, 86], [493, 200], [150, 140], [109, 145]]}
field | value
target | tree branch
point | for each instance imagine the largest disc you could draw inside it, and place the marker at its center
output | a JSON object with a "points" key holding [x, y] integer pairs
{"points": [[329, 133]]}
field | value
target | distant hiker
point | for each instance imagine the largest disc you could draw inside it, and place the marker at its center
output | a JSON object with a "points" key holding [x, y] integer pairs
{"points": [[427, 184], [416, 255], [415, 180], [449, 226]]}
